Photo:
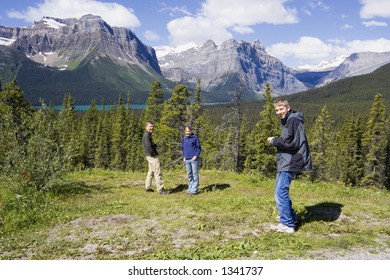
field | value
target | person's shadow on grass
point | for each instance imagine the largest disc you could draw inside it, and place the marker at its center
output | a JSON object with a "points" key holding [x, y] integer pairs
{"points": [[214, 187], [209, 188], [324, 211], [178, 188]]}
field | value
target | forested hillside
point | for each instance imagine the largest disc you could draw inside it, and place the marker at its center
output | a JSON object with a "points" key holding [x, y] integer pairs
{"points": [[348, 96], [38, 146]]}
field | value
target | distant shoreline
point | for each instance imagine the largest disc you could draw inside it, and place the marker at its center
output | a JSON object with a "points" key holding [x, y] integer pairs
{"points": [[99, 107], [107, 107]]}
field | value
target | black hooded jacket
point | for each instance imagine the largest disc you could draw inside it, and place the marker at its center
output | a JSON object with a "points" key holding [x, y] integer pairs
{"points": [[293, 153]]}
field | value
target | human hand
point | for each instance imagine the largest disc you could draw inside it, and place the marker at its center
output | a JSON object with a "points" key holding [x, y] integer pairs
{"points": [[269, 139]]}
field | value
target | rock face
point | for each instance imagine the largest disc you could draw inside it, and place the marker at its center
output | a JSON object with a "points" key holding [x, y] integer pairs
{"points": [[85, 56], [356, 64], [96, 61], [62, 43], [218, 67]]}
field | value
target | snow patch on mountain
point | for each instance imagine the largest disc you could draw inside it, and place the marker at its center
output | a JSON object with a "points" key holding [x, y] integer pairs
{"points": [[327, 65], [6, 41], [53, 23]]}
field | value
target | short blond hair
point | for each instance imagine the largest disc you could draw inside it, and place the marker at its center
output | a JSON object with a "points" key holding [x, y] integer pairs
{"points": [[281, 102]]}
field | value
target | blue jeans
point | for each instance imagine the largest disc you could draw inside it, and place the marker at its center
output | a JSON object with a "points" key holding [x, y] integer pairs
{"points": [[282, 197], [192, 167]]}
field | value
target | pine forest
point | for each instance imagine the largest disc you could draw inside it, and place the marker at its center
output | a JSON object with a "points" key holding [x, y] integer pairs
{"points": [[39, 145]]}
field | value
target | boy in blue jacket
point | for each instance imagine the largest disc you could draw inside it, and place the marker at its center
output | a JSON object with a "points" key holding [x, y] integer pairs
{"points": [[292, 157], [191, 149]]}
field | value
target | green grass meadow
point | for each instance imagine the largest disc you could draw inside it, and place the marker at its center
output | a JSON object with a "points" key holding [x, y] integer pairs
{"points": [[104, 215]]}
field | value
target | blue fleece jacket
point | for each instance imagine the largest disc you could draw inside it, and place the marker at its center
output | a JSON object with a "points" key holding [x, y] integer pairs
{"points": [[190, 147]]}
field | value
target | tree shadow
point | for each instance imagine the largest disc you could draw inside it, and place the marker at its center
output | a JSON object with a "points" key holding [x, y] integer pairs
{"points": [[67, 189], [215, 187], [324, 211]]}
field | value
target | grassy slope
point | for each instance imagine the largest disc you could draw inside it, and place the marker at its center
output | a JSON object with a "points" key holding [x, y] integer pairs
{"points": [[107, 215]]}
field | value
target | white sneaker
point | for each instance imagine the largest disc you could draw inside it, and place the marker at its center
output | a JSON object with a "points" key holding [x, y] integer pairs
{"points": [[283, 228]]}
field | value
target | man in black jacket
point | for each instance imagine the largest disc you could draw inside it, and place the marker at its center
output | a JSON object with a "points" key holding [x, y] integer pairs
{"points": [[292, 157], [153, 160]]}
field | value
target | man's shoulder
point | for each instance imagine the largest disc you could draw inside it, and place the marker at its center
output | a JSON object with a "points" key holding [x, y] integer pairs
{"points": [[146, 134], [294, 119]]}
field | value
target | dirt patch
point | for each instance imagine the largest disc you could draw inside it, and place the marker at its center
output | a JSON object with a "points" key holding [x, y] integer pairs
{"points": [[121, 236], [371, 253], [124, 236]]}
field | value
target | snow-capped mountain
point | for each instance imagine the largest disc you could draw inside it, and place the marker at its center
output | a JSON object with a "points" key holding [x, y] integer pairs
{"points": [[85, 56], [96, 61], [220, 67], [356, 64]]}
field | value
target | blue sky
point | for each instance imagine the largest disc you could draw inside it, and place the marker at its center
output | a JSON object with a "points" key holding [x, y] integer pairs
{"points": [[298, 32]]}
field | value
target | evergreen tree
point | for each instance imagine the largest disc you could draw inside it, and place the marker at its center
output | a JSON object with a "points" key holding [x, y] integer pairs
{"points": [[154, 103], [31, 154], [15, 118], [15, 113], [103, 140], [43, 162], [135, 151], [195, 110], [375, 139], [119, 128], [69, 136], [88, 131], [173, 120], [322, 145], [387, 172], [261, 155], [209, 141], [236, 133], [349, 157]]}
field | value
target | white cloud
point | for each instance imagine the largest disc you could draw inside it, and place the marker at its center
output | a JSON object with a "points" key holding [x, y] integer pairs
{"points": [[217, 19], [151, 36], [375, 8], [317, 5], [243, 29], [196, 30], [173, 11], [378, 45], [113, 13], [310, 6], [248, 12], [306, 49], [374, 23], [313, 51], [346, 27]]}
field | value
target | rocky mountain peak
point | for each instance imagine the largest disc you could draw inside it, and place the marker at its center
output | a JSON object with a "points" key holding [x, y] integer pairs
{"points": [[232, 62], [256, 44], [64, 43], [356, 64]]}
